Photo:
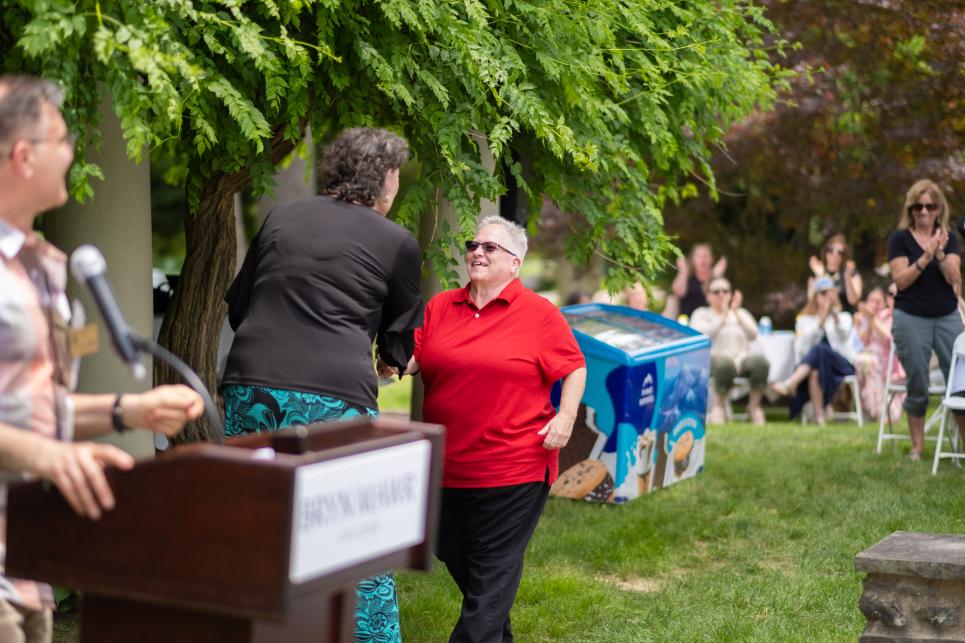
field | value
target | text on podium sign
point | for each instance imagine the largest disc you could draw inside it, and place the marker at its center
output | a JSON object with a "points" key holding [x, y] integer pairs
{"points": [[353, 509]]}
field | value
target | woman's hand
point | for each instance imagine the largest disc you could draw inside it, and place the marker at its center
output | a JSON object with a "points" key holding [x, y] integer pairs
{"points": [[384, 370], [720, 268], [934, 245], [557, 431], [816, 265], [736, 300]]}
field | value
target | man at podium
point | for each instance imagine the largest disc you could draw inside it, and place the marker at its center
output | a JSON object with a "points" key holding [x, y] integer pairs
{"points": [[39, 416]]}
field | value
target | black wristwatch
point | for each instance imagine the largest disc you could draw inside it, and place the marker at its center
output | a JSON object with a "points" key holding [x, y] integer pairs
{"points": [[117, 415]]}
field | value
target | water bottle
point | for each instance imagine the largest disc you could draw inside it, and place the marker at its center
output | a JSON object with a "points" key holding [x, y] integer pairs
{"points": [[764, 326]]}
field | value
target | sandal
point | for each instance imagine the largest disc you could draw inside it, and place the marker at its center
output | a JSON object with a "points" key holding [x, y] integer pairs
{"points": [[915, 456]]}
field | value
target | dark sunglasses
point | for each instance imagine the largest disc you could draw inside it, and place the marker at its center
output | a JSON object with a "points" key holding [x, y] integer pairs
{"points": [[720, 291], [918, 207], [836, 250], [488, 247]]}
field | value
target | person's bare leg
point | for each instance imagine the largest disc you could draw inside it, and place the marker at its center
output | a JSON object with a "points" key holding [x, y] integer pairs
{"points": [[754, 409], [817, 397], [788, 386], [916, 427]]}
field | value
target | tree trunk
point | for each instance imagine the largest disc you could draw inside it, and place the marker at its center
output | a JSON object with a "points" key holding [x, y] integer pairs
{"points": [[193, 321]]}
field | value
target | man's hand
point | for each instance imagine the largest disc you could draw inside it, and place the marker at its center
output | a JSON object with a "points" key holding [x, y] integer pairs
{"points": [[557, 431], [77, 470], [164, 409]]}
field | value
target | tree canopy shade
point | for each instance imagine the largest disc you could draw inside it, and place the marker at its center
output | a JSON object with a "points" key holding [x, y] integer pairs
{"points": [[616, 105]]}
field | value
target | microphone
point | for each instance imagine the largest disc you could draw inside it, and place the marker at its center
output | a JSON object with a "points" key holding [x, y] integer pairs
{"points": [[89, 268]]}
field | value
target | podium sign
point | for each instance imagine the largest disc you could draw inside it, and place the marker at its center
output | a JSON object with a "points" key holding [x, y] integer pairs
{"points": [[260, 539], [356, 508]]}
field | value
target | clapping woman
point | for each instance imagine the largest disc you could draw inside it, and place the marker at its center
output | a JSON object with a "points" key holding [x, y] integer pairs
{"points": [[925, 265], [824, 351], [835, 262], [872, 325], [731, 329]]}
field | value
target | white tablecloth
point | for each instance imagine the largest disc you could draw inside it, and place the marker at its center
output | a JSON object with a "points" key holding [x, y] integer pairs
{"points": [[778, 348]]}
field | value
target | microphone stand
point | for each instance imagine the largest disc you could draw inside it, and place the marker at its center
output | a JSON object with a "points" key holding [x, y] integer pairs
{"points": [[190, 377]]}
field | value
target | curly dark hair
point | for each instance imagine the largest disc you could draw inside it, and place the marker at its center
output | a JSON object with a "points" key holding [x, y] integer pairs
{"points": [[354, 165]]}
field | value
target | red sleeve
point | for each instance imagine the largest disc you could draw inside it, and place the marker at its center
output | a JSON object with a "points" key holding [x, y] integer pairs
{"points": [[559, 353]]}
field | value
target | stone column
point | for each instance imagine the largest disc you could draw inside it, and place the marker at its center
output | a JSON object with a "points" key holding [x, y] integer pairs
{"points": [[118, 221], [914, 589]]}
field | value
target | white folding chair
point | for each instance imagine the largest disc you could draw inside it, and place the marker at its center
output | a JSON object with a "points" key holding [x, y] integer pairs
{"points": [[950, 403], [892, 389]]}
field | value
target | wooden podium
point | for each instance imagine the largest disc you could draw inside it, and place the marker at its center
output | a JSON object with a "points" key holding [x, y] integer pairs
{"points": [[260, 539]]}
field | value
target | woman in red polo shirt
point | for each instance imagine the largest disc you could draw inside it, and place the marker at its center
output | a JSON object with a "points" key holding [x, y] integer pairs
{"points": [[489, 354]]}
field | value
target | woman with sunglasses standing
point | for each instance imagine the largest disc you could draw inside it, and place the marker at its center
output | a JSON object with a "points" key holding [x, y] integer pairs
{"points": [[489, 355], [731, 329], [835, 262], [925, 265]]}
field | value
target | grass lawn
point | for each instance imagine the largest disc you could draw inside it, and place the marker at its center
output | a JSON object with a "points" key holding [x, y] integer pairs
{"points": [[757, 547]]}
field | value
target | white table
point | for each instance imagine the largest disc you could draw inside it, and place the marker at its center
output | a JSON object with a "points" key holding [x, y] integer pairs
{"points": [[778, 348]]}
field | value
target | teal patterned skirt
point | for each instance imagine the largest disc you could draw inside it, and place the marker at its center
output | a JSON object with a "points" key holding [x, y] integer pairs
{"points": [[252, 409]]}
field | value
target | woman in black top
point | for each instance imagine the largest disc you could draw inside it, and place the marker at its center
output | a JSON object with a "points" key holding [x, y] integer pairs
{"points": [[693, 275], [323, 279], [925, 265]]}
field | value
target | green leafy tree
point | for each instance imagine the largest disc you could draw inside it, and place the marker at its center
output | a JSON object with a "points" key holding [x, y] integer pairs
{"points": [[617, 105]]}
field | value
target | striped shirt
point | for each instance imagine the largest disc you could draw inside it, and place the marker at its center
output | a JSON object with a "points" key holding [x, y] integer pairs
{"points": [[33, 394]]}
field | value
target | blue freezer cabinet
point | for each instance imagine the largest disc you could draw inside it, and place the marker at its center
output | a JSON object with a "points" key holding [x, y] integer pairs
{"points": [[641, 422]]}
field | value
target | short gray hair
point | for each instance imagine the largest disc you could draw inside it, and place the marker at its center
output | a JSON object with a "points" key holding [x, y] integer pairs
{"points": [[21, 101], [516, 233]]}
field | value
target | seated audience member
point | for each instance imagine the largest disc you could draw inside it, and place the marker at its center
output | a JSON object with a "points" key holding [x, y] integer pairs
{"points": [[835, 262], [872, 328], [690, 284], [731, 329], [823, 350], [636, 297]]}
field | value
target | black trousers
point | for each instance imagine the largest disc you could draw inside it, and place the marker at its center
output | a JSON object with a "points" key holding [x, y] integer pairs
{"points": [[483, 535]]}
